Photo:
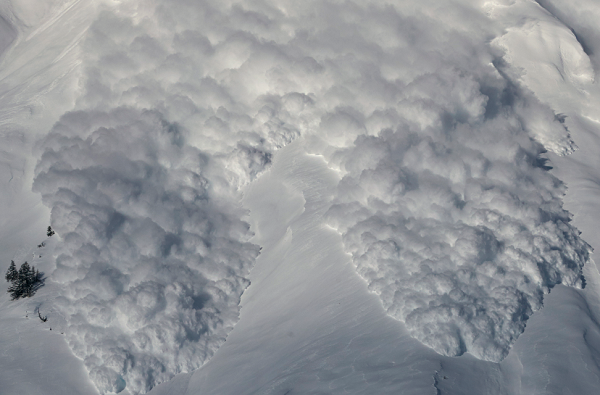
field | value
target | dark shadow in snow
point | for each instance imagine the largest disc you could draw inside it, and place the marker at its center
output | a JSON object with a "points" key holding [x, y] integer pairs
{"points": [[39, 284], [116, 220], [170, 240], [499, 98], [200, 301]]}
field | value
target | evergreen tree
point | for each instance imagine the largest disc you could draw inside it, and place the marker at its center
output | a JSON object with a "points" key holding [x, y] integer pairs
{"points": [[49, 232], [25, 280], [15, 290], [19, 284], [12, 274]]}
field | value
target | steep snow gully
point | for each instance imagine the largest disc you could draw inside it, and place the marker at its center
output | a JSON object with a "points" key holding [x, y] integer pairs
{"points": [[273, 197]]}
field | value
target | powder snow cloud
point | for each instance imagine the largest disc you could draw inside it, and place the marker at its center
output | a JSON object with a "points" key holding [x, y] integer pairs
{"points": [[152, 260], [444, 200], [143, 180]]}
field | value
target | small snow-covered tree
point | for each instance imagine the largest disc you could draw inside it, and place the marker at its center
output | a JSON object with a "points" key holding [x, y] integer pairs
{"points": [[12, 274]]}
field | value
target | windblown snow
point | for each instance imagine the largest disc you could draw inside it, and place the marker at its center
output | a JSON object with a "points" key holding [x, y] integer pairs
{"points": [[444, 202]]}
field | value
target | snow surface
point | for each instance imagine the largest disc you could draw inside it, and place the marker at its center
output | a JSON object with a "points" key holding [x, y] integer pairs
{"points": [[387, 160]]}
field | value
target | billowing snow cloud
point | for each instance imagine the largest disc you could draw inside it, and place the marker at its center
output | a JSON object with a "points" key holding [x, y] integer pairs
{"points": [[460, 231], [444, 202], [143, 180], [153, 259]]}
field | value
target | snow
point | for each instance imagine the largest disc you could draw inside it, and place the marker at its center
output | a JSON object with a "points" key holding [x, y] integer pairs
{"points": [[317, 197], [459, 246], [336, 338], [35, 357], [7, 33]]}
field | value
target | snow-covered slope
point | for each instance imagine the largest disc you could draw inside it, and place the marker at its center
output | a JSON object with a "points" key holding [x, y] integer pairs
{"points": [[401, 168]]}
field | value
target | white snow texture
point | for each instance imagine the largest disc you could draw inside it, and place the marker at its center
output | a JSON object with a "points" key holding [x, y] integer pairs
{"points": [[444, 202]]}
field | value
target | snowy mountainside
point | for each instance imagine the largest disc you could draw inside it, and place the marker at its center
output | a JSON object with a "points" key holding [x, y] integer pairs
{"points": [[272, 197]]}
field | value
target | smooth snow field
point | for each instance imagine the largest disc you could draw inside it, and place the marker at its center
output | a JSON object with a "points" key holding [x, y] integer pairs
{"points": [[318, 197]]}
